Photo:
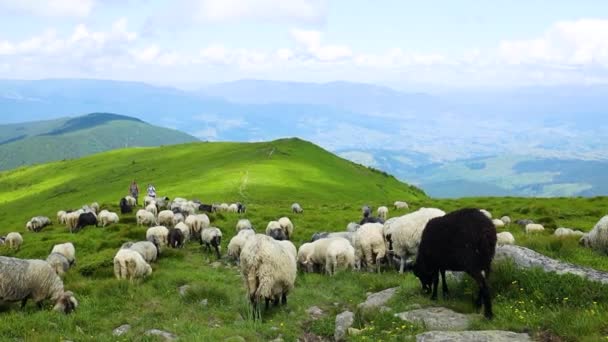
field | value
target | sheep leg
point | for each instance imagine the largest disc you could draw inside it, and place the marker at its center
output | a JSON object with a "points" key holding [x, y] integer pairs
{"points": [[284, 298], [24, 301], [276, 301], [444, 285], [267, 305], [39, 305], [435, 285], [217, 252], [484, 295]]}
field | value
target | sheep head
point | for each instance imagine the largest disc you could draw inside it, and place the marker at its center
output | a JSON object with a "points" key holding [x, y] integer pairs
{"points": [[66, 303]]}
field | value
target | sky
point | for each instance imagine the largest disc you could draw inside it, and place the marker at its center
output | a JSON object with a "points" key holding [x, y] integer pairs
{"points": [[401, 43]]}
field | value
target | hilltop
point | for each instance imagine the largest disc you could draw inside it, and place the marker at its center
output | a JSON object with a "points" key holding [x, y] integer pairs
{"points": [[43, 141]]}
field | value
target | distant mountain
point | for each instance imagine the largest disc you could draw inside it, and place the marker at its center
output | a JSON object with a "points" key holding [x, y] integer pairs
{"points": [[38, 142]]}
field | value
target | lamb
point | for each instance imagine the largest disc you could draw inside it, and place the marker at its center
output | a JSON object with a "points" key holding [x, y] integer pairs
{"points": [[369, 245], [304, 253], [463, 240], [146, 249], [106, 217], [176, 238], [287, 227], [383, 212], [165, 218], [158, 235], [131, 201], [534, 228], [328, 254], [21, 280], [296, 208], [498, 223], [562, 232], [243, 224], [233, 208], [404, 234], [400, 205], [487, 213], [182, 227], [86, 219], [152, 209], [125, 206], [14, 240], [237, 242], [269, 271], [128, 264], [505, 238], [274, 230], [597, 238], [212, 237], [67, 250], [506, 220], [145, 218], [352, 227]]}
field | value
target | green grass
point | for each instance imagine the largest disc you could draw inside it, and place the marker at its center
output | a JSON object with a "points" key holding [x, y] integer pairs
{"points": [[268, 177]]}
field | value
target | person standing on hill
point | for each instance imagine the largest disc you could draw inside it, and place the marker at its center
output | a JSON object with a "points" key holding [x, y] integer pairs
{"points": [[151, 191], [134, 190]]}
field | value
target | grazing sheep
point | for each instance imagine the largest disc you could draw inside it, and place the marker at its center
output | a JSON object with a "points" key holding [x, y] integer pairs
{"points": [[14, 240], [269, 271], [146, 249], [176, 237], [463, 240], [296, 208], [212, 237], [208, 208], [506, 220], [287, 227], [403, 234], [128, 264], [86, 219], [534, 228], [597, 238], [233, 208], [274, 230], [487, 213], [177, 218], [243, 224], [324, 235], [383, 212], [67, 250], [152, 209], [162, 202], [366, 211], [196, 224], [145, 218], [524, 222], [149, 200], [304, 253], [561, 232], [59, 263], [165, 218], [61, 216], [125, 207], [401, 205], [37, 223], [369, 246], [289, 247], [22, 279], [352, 227], [158, 235], [224, 207], [71, 219], [498, 223], [505, 238], [131, 201], [340, 255], [106, 218], [237, 242], [186, 231], [94, 207], [241, 208]]}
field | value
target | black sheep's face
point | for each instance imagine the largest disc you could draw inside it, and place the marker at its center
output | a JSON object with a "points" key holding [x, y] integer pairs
{"points": [[426, 278], [277, 234], [66, 304]]}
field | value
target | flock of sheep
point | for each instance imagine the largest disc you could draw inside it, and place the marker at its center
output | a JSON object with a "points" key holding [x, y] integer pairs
{"points": [[427, 241]]}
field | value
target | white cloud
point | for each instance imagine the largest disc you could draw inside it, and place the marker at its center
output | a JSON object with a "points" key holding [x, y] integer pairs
{"points": [[312, 43], [235, 10], [50, 8]]}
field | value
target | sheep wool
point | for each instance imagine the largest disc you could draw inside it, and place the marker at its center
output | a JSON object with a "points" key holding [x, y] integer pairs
{"points": [[498, 223], [158, 235], [145, 218], [67, 250], [152, 209], [14, 240], [243, 224], [237, 242], [383, 212], [505, 238], [534, 228], [597, 238], [287, 226], [146, 249], [369, 242], [59, 263], [128, 264], [165, 218]]}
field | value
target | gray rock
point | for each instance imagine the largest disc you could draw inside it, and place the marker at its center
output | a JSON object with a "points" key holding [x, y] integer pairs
{"points": [[436, 318], [314, 312], [527, 258], [121, 330], [183, 290], [344, 321], [376, 300], [167, 336], [385, 309], [472, 336]]}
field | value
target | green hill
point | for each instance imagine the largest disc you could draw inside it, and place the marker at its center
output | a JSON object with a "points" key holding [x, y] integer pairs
{"points": [[44, 141]]}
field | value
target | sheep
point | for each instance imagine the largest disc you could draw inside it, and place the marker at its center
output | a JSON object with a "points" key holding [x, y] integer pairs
{"points": [[524, 222], [131, 201], [561, 232], [165, 218], [597, 238], [340, 254], [534, 228], [186, 231], [196, 223], [14, 240], [401, 205], [212, 237], [176, 238], [296, 208], [59, 263], [366, 211], [287, 227], [22, 279], [149, 200], [177, 218], [289, 247], [505, 238], [158, 235], [498, 223], [124, 205], [463, 240], [128, 264], [324, 235], [370, 219], [487, 213], [241, 208], [506, 220], [146, 249], [61, 216], [188, 208], [233, 208], [162, 202], [208, 208], [382, 212], [352, 227], [243, 224], [67, 250], [152, 209], [237, 242], [86, 219], [94, 207], [274, 230], [224, 207], [369, 245], [145, 218], [403, 234], [71, 219], [106, 217], [37, 223], [269, 271]]}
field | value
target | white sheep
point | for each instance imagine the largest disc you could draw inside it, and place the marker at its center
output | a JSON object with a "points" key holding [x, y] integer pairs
{"points": [[268, 269], [149, 200], [403, 234], [129, 264], [197, 223], [183, 227], [597, 238], [177, 218], [145, 218], [147, 249], [340, 255], [59, 263], [131, 201], [243, 224], [287, 226], [487, 213], [505, 238], [233, 208], [67, 250], [94, 207], [506, 220], [498, 223], [224, 206], [165, 218], [21, 280], [369, 245], [296, 208], [71, 219], [37, 223], [188, 208], [383, 212], [401, 205], [158, 235], [152, 209], [106, 218], [561, 232], [14, 240], [61, 216], [212, 237], [352, 227], [237, 242], [534, 228], [289, 247], [275, 230]]}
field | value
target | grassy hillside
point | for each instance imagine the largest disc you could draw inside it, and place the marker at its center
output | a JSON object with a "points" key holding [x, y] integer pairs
{"points": [[39, 142], [268, 177]]}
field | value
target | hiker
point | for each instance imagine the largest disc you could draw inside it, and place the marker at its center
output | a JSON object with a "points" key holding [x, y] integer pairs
{"points": [[134, 190], [151, 191]]}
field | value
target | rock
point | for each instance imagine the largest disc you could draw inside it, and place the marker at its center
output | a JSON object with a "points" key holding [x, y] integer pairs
{"points": [[121, 330], [454, 276], [167, 336], [204, 302], [235, 339], [414, 306], [472, 336], [344, 321], [527, 258], [353, 332], [315, 312], [385, 309], [376, 300], [436, 318], [183, 290]]}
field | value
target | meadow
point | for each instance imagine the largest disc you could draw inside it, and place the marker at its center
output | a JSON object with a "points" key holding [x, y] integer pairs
{"points": [[268, 177]]}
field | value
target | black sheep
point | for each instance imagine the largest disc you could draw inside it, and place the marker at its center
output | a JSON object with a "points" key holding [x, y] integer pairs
{"points": [[176, 238], [241, 208], [124, 206], [278, 234], [208, 208], [86, 219], [319, 236], [463, 240]]}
